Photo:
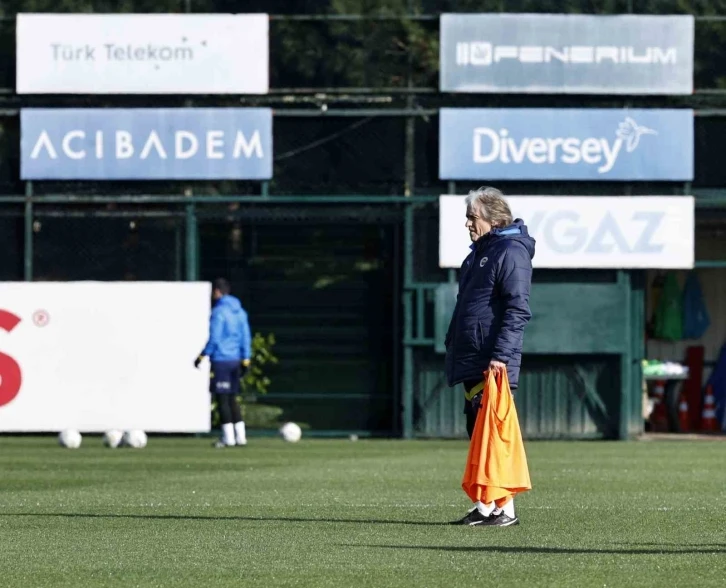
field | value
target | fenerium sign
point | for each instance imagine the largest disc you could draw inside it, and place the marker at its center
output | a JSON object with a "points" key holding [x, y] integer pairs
{"points": [[559, 53]]}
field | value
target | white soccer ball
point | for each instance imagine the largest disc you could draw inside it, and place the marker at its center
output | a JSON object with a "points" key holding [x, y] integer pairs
{"points": [[113, 438], [291, 432], [135, 438], [70, 438]]}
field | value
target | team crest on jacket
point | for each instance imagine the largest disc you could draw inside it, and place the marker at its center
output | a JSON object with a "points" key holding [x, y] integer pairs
{"points": [[483, 261]]}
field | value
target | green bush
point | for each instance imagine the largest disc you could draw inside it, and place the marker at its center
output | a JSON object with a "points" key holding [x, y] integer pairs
{"points": [[255, 381]]}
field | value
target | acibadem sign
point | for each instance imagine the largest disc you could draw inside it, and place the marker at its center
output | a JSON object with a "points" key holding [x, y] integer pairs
{"points": [[146, 143], [564, 53]]}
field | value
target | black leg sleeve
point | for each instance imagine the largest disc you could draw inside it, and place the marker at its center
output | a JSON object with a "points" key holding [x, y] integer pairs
{"points": [[224, 402], [236, 412]]}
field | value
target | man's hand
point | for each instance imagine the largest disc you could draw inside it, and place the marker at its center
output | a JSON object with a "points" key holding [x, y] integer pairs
{"points": [[497, 367], [198, 361], [244, 366]]}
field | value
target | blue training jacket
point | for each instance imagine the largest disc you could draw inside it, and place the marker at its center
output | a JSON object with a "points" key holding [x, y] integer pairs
{"points": [[492, 307], [229, 331]]}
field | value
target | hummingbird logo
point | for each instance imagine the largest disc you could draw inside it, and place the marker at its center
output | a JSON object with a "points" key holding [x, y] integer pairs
{"points": [[630, 132]]}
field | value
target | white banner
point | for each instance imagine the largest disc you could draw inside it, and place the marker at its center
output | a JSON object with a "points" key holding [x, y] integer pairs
{"points": [[142, 53], [95, 356], [587, 232]]}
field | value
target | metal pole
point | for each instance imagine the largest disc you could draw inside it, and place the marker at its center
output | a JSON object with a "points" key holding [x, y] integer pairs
{"points": [[637, 319], [28, 249], [410, 156], [396, 330], [192, 242], [408, 357], [178, 253], [626, 381], [407, 366], [238, 199], [408, 226]]}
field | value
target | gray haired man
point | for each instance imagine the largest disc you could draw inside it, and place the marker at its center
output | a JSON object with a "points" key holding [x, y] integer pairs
{"points": [[492, 309]]}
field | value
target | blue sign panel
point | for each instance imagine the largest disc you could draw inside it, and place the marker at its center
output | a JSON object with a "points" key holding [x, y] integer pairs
{"points": [[146, 144], [565, 144]]}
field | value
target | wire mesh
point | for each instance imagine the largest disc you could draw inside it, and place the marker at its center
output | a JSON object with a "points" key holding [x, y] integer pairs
{"points": [[339, 155], [9, 155], [11, 243], [131, 245], [7, 48]]}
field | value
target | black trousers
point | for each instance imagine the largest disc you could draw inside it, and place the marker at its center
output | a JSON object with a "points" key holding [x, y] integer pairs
{"points": [[229, 411]]}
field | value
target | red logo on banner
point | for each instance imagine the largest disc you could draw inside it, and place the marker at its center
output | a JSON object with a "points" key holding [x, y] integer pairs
{"points": [[10, 375]]}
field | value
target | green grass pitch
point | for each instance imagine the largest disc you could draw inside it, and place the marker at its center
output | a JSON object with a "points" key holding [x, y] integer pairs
{"points": [[337, 513]]}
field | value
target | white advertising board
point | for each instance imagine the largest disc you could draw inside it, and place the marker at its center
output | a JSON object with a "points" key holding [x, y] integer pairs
{"points": [[142, 53], [96, 356], [587, 232]]}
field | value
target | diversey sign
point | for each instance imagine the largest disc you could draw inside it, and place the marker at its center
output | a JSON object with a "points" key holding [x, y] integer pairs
{"points": [[142, 54], [146, 143], [561, 53], [587, 232], [565, 144]]}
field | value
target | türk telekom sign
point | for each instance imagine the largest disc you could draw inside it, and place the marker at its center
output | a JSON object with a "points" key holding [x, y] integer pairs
{"points": [[587, 232], [563, 53], [142, 53]]}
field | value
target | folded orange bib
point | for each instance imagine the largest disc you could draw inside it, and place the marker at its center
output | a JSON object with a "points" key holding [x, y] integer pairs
{"points": [[496, 467]]}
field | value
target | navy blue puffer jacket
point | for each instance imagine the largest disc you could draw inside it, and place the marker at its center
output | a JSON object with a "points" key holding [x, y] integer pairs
{"points": [[492, 307]]}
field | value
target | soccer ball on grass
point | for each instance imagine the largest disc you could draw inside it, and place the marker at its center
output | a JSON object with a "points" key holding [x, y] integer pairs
{"points": [[113, 438], [291, 432], [135, 438], [70, 438]]}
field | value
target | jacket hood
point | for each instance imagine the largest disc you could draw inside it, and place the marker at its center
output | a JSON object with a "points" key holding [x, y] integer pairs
{"points": [[230, 302], [517, 231]]}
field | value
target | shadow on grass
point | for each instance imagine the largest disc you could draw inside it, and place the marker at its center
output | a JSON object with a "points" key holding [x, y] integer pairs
{"points": [[281, 519], [668, 549]]}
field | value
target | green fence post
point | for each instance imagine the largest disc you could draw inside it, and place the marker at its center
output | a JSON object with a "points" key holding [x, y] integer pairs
{"points": [[626, 359], [408, 358], [28, 249], [192, 253], [637, 326]]}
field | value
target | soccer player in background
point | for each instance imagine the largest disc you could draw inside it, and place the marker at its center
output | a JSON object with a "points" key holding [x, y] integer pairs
{"points": [[229, 348], [491, 311]]}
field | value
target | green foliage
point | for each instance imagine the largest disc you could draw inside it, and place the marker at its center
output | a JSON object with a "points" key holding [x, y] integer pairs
{"points": [[98, 6], [255, 380], [262, 416]]}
